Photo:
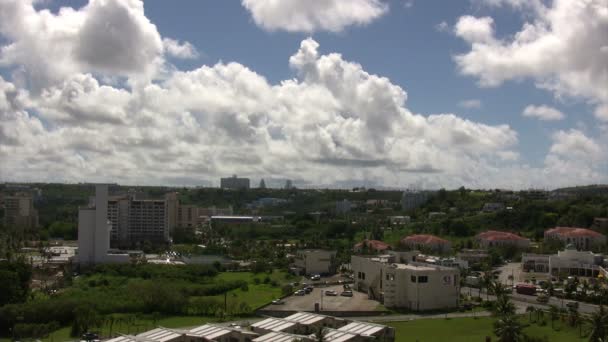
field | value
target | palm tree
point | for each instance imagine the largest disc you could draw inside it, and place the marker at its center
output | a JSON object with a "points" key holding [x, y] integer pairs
{"points": [[598, 322], [531, 309], [553, 314], [504, 306], [508, 329]]}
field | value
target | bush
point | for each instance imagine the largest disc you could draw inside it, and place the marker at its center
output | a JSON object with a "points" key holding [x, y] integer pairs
{"points": [[244, 287], [266, 280], [256, 281]]}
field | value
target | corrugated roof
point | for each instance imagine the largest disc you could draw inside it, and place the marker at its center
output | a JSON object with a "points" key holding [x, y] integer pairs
{"points": [[123, 338], [424, 239], [333, 335], [305, 318], [209, 331], [573, 232], [160, 335], [277, 336], [273, 324], [362, 328]]}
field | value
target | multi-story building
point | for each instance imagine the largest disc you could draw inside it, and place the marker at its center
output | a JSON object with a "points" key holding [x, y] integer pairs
{"points": [[413, 199], [19, 211], [94, 232], [315, 261], [494, 238], [581, 238], [426, 242], [568, 262], [473, 256], [413, 286], [234, 183]]}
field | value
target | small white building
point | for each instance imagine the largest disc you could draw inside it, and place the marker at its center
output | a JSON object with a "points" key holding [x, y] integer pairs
{"points": [[414, 286], [315, 261], [568, 262], [219, 333]]}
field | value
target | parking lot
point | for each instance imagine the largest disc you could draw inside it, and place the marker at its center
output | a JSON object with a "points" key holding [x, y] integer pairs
{"points": [[358, 302]]}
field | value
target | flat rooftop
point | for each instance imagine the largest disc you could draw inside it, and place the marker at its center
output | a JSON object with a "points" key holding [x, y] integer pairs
{"points": [[277, 336]]}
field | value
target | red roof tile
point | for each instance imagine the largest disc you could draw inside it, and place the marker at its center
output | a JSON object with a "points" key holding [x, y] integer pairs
{"points": [[573, 232], [495, 235], [374, 244], [424, 239]]}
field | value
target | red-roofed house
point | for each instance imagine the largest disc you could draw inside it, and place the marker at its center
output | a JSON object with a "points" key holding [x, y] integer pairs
{"points": [[495, 238], [371, 246], [582, 238], [426, 242]]}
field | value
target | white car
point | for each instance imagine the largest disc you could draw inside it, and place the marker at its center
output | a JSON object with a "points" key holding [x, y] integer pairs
{"points": [[331, 293], [277, 302]]}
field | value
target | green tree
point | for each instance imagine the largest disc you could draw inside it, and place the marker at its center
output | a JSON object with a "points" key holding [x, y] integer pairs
{"points": [[509, 329], [598, 325], [503, 307]]}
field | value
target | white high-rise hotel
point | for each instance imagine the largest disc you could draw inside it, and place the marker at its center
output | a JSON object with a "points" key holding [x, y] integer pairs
{"points": [[94, 231]]}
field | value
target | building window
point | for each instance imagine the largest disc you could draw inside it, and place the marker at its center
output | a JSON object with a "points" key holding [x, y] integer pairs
{"points": [[423, 279], [413, 278]]}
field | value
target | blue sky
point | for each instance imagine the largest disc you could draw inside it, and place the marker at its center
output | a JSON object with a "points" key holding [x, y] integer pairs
{"points": [[404, 44]]}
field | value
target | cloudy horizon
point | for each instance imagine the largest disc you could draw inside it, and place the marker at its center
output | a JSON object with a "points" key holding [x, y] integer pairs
{"points": [[98, 91]]}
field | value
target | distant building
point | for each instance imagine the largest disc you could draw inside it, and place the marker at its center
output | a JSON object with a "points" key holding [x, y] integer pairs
{"points": [[427, 242], [94, 232], [262, 184], [493, 207], [600, 223], [371, 246], [343, 207], [493, 238], [399, 220], [19, 211], [289, 185], [413, 199], [315, 261], [581, 238], [135, 220], [473, 256], [436, 214], [413, 286], [568, 262], [234, 183]]}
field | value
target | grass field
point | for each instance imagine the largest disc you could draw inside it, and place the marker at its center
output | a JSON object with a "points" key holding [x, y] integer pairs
{"points": [[471, 330], [258, 294]]}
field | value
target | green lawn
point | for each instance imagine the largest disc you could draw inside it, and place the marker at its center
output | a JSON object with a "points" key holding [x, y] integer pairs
{"points": [[258, 294], [471, 330]]}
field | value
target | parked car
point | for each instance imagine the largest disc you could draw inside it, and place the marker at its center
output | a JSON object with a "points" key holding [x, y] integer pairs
{"points": [[278, 302], [572, 305], [299, 293], [315, 277], [347, 293], [331, 293], [308, 289]]}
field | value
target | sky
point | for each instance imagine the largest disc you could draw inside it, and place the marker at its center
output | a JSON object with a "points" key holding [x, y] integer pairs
{"points": [[329, 93]]}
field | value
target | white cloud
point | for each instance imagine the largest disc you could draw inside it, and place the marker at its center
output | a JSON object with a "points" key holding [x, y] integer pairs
{"points": [[470, 104], [601, 113], [560, 48], [313, 15], [111, 37], [442, 27], [331, 124], [475, 30], [543, 112], [179, 50]]}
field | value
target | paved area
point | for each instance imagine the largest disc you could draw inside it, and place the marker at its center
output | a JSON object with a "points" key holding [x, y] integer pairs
{"points": [[514, 270], [358, 302]]}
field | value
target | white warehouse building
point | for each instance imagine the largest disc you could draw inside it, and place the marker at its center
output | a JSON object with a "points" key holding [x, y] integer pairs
{"points": [[414, 286]]}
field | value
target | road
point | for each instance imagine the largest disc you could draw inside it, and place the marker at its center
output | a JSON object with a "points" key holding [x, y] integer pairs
{"points": [[524, 300]]}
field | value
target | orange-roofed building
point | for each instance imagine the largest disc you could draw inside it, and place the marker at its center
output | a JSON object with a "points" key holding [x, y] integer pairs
{"points": [[581, 238], [495, 238], [427, 242], [371, 246]]}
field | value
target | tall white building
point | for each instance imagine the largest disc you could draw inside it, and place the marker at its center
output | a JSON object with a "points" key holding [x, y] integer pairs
{"points": [[234, 183], [94, 231], [413, 199]]}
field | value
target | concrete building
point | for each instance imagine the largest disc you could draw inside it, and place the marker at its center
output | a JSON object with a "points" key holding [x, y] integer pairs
{"points": [[568, 262], [343, 207], [302, 323], [365, 331], [94, 232], [234, 183], [413, 199], [19, 211], [284, 337], [427, 242], [494, 238], [581, 238], [399, 220], [473, 256], [413, 286], [371, 246], [315, 261], [493, 207], [220, 333]]}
